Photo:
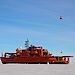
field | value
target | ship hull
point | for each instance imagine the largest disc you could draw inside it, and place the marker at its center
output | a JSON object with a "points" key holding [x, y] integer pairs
{"points": [[32, 60]]}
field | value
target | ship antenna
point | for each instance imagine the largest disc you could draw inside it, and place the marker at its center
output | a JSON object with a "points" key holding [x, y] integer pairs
{"points": [[27, 43]]}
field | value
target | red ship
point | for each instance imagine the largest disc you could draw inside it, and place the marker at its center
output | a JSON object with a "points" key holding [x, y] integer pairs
{"points": [[34, 55]]}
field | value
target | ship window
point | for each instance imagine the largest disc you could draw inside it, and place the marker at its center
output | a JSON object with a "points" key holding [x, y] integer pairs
{"points": [[60, 58]]}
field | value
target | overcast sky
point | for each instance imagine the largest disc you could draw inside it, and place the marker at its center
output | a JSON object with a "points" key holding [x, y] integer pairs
{"points": [[38, 20]]}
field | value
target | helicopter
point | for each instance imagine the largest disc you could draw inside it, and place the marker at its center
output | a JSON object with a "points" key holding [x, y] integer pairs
{"points": [[61, 17]]}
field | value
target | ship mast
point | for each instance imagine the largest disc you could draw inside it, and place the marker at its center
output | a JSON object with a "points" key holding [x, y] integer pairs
{"points": [[27, 43]]}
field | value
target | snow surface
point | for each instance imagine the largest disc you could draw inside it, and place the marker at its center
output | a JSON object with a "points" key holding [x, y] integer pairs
{"points": [[37, 69]]}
